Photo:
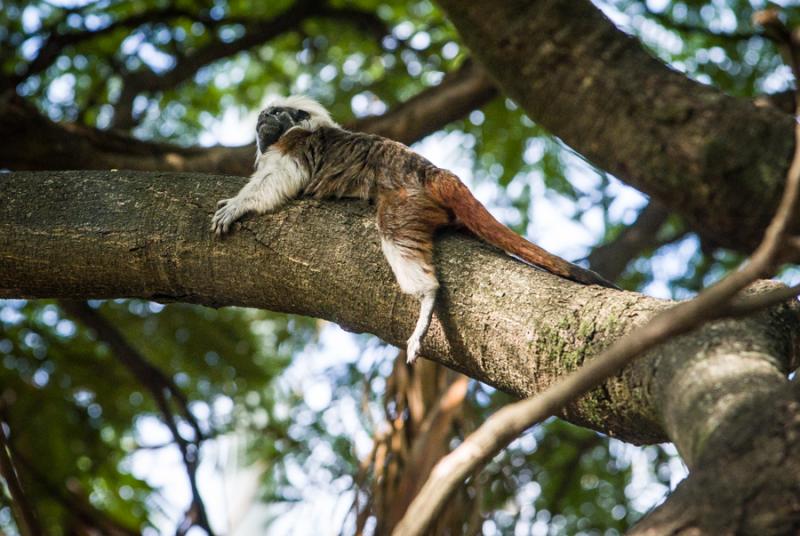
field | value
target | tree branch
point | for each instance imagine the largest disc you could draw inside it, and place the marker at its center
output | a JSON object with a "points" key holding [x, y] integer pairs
{"points": [[782, 101], [718, 161], [34, 142], [668, 22], [55, 42], [24, 513], [305, 258], [509, 422], [460, 92], [74, 501], [256, 33], [748, 305]]}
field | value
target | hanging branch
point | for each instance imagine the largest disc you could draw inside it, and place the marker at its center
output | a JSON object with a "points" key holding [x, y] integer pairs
{"points": [[24, 513], [160, 387], [71, 499], [713, 303], [31, 138]]}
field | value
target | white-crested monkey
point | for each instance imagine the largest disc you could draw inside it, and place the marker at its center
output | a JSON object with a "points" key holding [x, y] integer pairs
{"points": [[303, 152]]}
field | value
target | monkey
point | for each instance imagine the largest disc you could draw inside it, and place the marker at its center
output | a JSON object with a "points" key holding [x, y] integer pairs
{"points": [[301, 151]]}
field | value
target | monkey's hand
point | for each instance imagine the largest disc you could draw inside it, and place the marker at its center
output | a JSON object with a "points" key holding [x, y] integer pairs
{"points": [[228, 211]]}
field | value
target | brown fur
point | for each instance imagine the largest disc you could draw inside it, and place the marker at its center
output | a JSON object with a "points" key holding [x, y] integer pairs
{"points": [[408, 218], [450, 192], [414, 197]]}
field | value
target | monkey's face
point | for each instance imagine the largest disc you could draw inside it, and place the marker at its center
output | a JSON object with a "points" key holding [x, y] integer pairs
{"points": [[274, 121]]}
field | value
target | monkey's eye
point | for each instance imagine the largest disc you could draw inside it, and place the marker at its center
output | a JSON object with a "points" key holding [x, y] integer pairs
{"points": [[300, 115], [267, 112]]}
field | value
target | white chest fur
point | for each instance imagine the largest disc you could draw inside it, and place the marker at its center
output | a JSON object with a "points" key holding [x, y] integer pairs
{"points": [[278, 178]]}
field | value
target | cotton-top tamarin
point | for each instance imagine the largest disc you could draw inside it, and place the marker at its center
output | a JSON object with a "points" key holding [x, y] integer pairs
{"points": [[303, 152]]}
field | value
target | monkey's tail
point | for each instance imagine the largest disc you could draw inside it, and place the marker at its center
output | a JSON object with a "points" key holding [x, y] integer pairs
{"points": [[451, 193]]}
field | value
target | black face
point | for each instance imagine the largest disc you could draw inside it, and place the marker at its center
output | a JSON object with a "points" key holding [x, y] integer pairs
{"points": [[274, 121]]}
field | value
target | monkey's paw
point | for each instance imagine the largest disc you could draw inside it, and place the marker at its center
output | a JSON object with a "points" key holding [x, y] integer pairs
{"points": [[228, 211], [412, 351]]}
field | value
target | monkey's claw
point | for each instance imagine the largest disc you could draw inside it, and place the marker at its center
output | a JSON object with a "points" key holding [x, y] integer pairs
{"points": [[227, 213]]}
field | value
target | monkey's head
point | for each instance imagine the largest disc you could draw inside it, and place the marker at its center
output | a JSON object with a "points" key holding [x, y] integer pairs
{"points": [[287, 112]]}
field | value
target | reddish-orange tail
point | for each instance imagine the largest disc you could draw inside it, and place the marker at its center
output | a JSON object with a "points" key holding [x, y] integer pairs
{"points": [[451, 193]]}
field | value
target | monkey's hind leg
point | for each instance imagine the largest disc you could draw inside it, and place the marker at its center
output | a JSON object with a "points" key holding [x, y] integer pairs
{"points": [[416, 277], [407, 221]]}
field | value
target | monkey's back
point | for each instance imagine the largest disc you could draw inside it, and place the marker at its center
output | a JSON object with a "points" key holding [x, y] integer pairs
{"points": [[352, 164]]}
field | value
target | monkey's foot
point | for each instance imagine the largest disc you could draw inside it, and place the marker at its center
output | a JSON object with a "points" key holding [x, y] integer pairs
{"points": [[412, 351], [228, 211]]}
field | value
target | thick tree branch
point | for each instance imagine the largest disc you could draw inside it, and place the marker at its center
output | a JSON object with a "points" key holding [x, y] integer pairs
{"points": [[106, 234], [497, 320], [459, 93], [719, 161], [783, 101], [34, 142], [506, 424]]}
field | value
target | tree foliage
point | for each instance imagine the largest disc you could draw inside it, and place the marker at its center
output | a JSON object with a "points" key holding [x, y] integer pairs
{"points": [[178, 72]]}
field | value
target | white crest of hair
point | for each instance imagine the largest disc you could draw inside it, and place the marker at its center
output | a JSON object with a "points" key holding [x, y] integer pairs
{"points": [[318, 115], [278, 177]]}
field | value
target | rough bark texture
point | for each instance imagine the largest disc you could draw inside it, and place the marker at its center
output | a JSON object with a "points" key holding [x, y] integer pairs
{"points": [[747, 480], [113, 234], [717, 160]]}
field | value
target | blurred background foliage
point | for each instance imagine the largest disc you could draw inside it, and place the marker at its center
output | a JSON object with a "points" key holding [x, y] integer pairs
{"points": [[329, 424]]}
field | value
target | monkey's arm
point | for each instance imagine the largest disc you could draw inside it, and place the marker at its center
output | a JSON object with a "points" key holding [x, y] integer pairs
{"points": [[277, 179]]}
